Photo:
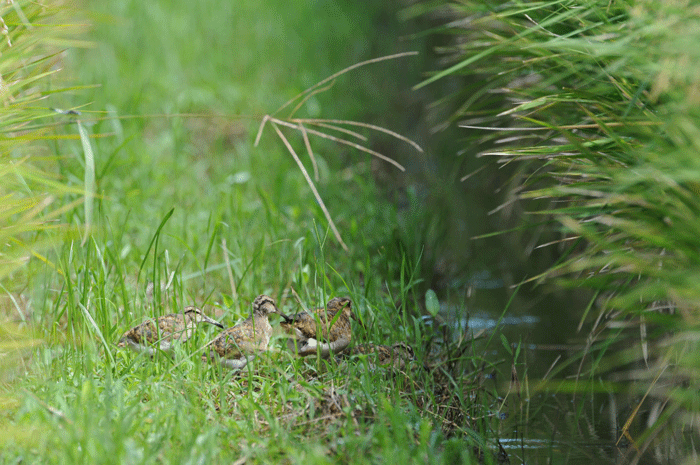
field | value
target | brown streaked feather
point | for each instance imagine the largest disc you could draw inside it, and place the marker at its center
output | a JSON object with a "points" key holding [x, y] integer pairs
{"points": [[235, 346], [326, 329], [165, 330]]}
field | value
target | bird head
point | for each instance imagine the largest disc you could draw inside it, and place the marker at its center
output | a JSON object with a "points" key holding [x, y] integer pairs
{"points": [[264, 305], [343, 304], [337, 304]]}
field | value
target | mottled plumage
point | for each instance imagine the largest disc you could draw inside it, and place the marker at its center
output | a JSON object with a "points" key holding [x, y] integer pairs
{"points": [[236, 346], [325, 330], [397, 355], [165, 330]]}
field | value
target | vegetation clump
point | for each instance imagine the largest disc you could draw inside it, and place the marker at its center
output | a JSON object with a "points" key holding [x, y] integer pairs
{"points": [[592, 108]]}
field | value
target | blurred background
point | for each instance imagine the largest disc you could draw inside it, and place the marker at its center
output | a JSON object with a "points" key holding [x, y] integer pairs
{"points": [[181, 92]]}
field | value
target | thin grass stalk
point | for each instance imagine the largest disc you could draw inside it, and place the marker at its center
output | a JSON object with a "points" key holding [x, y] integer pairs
{"points": [[342, 141], [312, 186], [343, 71], [374, 127], [299, 124]]}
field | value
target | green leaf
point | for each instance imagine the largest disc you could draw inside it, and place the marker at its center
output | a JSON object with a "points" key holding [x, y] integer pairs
{"points": [[432, 304]]}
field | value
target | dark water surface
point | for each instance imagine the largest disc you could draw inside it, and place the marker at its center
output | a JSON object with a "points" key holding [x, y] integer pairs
{"points": [[543, 426]]}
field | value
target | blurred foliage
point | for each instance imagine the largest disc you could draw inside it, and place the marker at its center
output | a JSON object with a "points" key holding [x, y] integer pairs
{"points": [[33, 41], [34, 38], [592, 106]]}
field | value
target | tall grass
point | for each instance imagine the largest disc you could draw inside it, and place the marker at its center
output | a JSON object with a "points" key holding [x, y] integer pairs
{"points": [[33, 199], [33, 40], [594, 105]]}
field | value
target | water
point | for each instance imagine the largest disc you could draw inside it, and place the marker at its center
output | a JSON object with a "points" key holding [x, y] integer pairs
{"points": [[538, 426]]}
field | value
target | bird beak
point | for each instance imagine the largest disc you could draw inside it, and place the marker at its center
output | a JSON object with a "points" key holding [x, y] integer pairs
{"points": [[286, 318], [212, 321]]}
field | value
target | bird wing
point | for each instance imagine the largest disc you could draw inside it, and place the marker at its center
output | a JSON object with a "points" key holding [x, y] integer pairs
{"points": [[146, 332], [171, 326], [242, 339]]}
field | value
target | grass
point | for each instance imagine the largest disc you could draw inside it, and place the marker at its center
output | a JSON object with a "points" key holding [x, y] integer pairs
{"points": [[599, 139], [29, 191], [180, 208], [95, 404]]}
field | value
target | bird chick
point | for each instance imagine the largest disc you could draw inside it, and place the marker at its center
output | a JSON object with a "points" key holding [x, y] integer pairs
{"points": [[236, 346], [324, 331], [164, 331]]}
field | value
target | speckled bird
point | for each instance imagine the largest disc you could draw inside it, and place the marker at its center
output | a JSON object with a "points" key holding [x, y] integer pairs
{"points": [[397, 355], [324, 331], [236, 346], [165, 330]]}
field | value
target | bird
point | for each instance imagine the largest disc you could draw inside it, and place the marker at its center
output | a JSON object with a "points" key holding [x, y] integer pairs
{"points": [[234, 347], [164, 330], [324, 331], [397, 355]]}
